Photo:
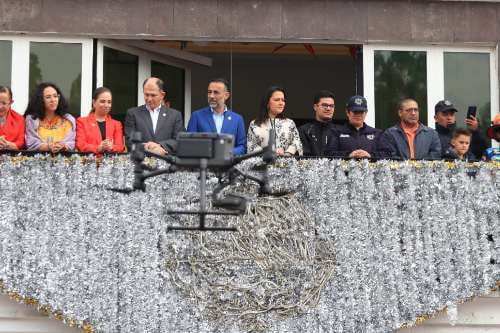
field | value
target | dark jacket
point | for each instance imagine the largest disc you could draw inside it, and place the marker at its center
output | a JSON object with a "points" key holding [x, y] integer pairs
{"points": [[366, 138], [452, 155], [168, 126], [316, 136], [427, 144], [477, 142]]}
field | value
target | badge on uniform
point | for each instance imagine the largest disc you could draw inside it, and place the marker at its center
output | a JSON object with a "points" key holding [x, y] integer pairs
{"points": [[229, 118], [370, 136], [345, 135]]}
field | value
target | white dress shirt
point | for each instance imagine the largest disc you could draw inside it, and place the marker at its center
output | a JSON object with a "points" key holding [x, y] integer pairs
{"points": [[154, 116]]}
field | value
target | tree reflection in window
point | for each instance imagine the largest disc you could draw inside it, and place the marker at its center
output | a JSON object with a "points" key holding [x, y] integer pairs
{"points": [[398, 75]]}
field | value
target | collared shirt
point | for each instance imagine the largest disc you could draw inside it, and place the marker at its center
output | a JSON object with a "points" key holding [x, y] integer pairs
{"points": [[154, 115], [410, 133], [218, 119]]}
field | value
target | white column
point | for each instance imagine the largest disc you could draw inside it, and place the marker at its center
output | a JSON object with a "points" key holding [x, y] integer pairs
{"points": [[144, 72], [369, 83], [187, 95], [86, 89], [20, 73], [435, 82]]}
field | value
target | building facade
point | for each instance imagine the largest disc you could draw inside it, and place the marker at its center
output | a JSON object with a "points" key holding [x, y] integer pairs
{"points": [[386, 50]]}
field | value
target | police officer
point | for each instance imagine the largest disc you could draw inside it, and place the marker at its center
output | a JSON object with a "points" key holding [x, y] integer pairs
{"points": [[355, 138]]}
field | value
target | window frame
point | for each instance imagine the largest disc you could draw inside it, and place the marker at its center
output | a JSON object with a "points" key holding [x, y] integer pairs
{"points": [[435, 73], [21, 71], [144, 69]]}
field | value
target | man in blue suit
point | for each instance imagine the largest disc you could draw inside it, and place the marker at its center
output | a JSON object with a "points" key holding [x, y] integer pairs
{"points": [[217, 118]]}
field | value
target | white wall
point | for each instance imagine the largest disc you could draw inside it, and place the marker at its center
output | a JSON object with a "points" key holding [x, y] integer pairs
{"points": [[481, 315], [17, 318]]}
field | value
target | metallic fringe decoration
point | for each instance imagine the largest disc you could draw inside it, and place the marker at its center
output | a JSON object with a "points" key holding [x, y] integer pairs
{"points": [[349, 247], [272, 264]]}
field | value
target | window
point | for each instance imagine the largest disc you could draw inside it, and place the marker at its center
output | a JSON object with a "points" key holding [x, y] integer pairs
{"points": [[120, 74], [464, 75], [60, 63], [173, 77], [5, 62], [467, 82], [399, 75]]}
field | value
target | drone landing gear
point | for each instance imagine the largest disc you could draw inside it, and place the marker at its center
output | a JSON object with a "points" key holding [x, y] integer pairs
{"points": [[203, 212]]}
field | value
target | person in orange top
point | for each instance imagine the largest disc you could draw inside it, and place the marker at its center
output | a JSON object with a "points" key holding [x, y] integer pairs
{"points": [[11, 123], [99, 133], [410, 139]]}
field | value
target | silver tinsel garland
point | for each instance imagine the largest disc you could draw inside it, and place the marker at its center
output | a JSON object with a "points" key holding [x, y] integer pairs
{"points": [[380, 245]]}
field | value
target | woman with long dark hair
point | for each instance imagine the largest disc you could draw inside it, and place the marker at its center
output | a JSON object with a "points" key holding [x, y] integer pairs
{"points": [[49, 126], [271, 116], [98, 132]]}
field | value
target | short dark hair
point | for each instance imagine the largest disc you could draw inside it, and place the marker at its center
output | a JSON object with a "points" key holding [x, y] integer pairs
{"points": [[6, 89], [159, 82], [461, 131], [322, 94], [404, 101], [221, 80]]}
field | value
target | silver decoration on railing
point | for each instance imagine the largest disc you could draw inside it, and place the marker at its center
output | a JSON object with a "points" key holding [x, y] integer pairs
{"points": [[409, 240]]}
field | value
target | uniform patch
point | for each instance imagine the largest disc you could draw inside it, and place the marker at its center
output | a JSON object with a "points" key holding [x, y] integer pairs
{"points": [[345, 136], [370, 136]]}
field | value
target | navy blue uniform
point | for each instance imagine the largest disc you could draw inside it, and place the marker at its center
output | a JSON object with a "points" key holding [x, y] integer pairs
{"points": [[366, 138]]}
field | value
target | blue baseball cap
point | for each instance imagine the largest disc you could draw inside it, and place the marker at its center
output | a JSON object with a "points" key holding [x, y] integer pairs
{"points": [[357, 104]]}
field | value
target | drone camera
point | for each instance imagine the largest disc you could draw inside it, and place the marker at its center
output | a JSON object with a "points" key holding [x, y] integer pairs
{"points": [[216, 148]]}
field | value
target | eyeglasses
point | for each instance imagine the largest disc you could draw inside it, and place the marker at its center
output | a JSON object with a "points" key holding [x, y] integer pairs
{"points": [[327, 106], [48, 97], [5, 103], [411, 110]]}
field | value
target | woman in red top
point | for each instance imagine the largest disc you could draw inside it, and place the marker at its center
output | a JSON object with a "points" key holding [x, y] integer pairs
{"points": [[11, 123], [98, 132]]}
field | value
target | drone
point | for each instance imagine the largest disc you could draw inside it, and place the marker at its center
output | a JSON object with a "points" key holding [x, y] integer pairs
{"points": [[203, 152]]}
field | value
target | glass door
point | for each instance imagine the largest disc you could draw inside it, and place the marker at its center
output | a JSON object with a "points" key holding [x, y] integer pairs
{"points": [[123, 69]]}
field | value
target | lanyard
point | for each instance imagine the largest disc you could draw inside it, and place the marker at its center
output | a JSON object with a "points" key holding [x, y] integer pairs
{"points": [[273, 126]]}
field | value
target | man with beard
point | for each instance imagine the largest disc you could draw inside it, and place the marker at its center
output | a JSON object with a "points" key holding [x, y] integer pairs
{"points": [[445, 117], [217, 118]]}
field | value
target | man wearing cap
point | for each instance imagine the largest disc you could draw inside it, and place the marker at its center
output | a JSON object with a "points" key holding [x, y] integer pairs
{"points": [[317, 135], [445, 117], [410, 139], [355, 138], [493, 154]]}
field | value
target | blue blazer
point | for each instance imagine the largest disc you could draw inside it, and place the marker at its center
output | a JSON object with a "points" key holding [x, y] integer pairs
{"points": [[203, 121]]}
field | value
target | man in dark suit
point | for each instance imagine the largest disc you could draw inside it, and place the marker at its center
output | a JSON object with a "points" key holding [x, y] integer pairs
{"points": [[157, 123], [217, 118]]}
